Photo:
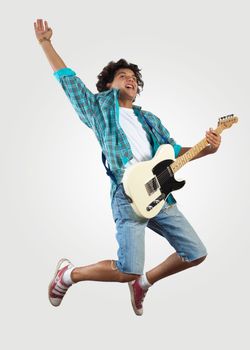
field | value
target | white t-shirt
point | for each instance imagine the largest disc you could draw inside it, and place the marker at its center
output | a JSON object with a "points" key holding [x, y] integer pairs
{"points": [[136, 135]]}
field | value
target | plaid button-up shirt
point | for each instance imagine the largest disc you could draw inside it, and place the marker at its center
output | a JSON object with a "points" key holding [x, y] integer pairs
{"points": [[100, 112]]}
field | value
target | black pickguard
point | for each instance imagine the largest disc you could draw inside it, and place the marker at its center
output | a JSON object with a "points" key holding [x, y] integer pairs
{"points": [[166, 178]]}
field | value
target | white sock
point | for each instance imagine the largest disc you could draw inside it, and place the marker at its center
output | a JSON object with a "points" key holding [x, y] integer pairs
{"points": [[67, 276], [143, 282]]}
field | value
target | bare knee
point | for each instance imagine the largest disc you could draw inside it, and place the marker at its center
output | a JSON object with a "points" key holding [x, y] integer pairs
{"points": [[122, 276]]}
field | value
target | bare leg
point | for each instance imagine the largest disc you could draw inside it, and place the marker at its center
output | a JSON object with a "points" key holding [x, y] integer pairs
{"points": [[171, 265], [105, 270]]}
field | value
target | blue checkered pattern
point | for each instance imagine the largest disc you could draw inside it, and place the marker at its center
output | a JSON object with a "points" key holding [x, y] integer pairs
{"points": [[100, 112]]}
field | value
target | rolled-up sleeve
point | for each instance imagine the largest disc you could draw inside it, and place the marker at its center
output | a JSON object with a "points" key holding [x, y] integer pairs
{"points": [[82, 99]]}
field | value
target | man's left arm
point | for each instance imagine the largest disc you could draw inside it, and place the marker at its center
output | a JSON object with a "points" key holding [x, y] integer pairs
{"points": [[214, 141]]}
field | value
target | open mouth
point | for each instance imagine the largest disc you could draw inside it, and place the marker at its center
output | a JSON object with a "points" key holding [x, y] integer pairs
{"points": [[129, 86]]}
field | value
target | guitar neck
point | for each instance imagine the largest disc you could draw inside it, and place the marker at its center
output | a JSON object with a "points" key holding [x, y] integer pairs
{"points": [[190, 154]]}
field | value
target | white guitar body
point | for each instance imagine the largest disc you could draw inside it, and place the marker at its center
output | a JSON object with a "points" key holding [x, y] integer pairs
{"points": [[137, 175]]}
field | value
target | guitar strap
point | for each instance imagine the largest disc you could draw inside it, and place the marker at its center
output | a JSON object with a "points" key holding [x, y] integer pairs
{"points": [[109, 172], [151, 127]]}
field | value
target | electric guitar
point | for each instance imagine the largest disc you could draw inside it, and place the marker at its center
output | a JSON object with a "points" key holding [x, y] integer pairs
{"points": [[147, 184]]}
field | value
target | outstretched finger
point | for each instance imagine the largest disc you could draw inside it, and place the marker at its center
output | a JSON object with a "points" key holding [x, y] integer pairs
{"points": [[40, 25], [46, 25]]}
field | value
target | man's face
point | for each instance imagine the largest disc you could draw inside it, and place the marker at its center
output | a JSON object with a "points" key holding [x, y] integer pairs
{"points": [[126, 81]]}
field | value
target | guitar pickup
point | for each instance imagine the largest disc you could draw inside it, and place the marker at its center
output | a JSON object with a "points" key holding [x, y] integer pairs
{"points": [[152, 186]]}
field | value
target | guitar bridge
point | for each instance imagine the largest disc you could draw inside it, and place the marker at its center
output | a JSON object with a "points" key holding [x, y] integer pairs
{"points": [[155, 202]]}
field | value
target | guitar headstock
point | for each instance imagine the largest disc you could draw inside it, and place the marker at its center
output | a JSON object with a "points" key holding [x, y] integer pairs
{"points": [[227, 121]]}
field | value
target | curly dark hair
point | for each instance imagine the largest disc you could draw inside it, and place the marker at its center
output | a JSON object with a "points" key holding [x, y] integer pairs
{"points": [[108, 73]]}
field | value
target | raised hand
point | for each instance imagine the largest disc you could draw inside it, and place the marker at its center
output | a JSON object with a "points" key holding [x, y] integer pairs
{"points": [[42, 31]]}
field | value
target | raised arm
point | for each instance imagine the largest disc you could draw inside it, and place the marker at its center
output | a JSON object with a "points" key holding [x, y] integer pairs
{"points": [[43, 35], [81, 98]]}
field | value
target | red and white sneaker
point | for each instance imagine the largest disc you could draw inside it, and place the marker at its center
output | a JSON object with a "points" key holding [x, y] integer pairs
{"points": [[57, 288], [137, 296]]}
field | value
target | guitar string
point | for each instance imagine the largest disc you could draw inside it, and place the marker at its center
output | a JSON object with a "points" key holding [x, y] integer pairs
{"points": [[162, 174]]}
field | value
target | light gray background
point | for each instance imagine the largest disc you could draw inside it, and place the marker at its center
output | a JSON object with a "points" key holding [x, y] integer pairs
{"points": [[194, 57]]}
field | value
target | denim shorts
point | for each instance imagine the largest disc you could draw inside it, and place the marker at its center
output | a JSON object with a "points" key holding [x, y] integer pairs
{"points": [[170, 223]]}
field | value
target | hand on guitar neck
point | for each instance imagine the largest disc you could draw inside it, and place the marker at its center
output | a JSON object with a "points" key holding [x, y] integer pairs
{"points": [[213, 140]]}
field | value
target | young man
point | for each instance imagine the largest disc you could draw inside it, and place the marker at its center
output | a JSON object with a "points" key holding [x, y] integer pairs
{"points": [[127, 134]]}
